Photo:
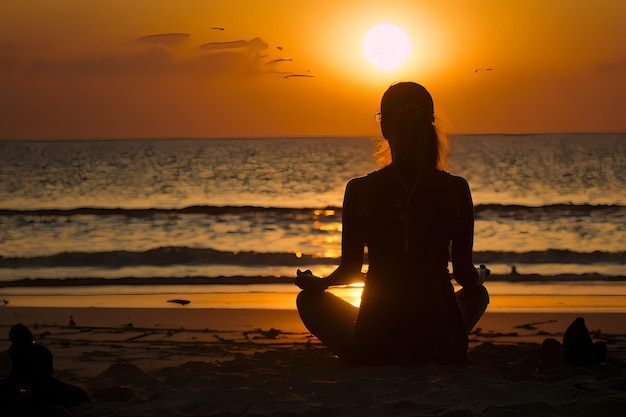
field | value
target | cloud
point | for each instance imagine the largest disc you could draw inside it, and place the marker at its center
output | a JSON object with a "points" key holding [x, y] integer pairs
{"points": [[254, 45], [243, 57], [167, 54], [9, 55], [154, 60], [617, 65], [141, 59], [166, 39]]}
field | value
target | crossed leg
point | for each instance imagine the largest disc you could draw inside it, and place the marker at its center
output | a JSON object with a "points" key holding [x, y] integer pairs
{"points": [[331, 319], [473, 302]]}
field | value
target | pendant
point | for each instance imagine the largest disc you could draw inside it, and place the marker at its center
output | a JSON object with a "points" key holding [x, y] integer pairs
{"points": [[407, 211]]}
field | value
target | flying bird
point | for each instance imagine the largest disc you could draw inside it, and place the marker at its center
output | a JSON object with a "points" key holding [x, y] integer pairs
{"points": [[299, 75], [217, 28], [483, 69], [280, 60]]}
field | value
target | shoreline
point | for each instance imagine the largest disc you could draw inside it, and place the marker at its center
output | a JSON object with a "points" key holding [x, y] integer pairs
{"points": [[587, 297]]}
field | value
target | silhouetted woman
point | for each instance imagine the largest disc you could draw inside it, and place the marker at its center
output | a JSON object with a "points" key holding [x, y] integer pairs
{"points": [[412, 216]]}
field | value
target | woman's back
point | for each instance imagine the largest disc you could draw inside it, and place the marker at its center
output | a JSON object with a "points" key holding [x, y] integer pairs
{"points": [[408, 295], [406, 227]]}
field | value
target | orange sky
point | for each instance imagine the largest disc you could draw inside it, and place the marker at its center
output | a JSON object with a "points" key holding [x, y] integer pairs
{"points": [[92, 69]]}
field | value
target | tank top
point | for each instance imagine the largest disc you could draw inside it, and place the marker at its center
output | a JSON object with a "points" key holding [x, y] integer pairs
{"points": [[408, 312]]}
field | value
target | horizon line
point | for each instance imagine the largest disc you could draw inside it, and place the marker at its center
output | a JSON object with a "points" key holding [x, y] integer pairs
{"points": [[265, 137]]}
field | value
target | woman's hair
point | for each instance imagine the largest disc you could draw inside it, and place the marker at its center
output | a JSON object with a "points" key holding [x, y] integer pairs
{"points": [[411, 104]]}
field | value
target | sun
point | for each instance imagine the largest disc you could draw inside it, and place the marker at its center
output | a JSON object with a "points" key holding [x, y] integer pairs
{"points": [[386, 46]]}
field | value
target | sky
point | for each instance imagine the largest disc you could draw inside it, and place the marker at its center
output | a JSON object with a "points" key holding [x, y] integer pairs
{"points": [[99, 69]]}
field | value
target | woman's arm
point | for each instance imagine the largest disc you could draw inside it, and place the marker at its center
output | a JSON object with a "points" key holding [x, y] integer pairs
{"points": [[352, 237], [463, 267], [352, 245]]}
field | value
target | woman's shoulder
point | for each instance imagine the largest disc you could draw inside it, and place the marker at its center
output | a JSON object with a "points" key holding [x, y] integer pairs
{"points": [[456, 182], [365, 186], [371, 178], [459, 193]]}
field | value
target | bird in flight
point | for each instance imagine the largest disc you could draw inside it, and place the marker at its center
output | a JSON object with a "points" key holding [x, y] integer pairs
{"points": [[280, 60]]}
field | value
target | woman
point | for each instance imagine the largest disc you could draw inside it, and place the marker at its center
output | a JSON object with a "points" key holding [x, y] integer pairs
{"points": [[412, 216]]}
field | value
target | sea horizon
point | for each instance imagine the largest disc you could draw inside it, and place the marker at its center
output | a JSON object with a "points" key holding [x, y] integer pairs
{"points": [[308, 136]]}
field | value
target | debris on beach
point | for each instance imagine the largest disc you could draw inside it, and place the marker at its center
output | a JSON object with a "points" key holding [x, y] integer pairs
{"points": [[179, 301], [264, 334]]}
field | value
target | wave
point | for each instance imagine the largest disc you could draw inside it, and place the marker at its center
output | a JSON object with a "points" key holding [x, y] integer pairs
{"points": [[573, 209], [98, 281], [206, 256], [144, 212]]}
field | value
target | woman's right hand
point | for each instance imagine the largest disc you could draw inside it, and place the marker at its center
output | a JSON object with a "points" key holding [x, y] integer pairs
{"points": [[307, 281], [483, 273]]}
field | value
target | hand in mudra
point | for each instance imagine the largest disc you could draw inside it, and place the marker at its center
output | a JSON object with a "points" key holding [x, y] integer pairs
{"points": [[483, 273], [307, 281]]}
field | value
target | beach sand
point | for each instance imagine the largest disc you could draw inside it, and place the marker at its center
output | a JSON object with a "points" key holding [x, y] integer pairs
{"points": [[179, 361]]}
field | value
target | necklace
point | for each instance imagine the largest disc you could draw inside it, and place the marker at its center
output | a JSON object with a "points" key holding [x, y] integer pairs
{"points": [[407, 211]]}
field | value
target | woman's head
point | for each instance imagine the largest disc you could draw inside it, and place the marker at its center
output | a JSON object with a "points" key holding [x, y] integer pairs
{"points": [[408, 99], [407, 122]]}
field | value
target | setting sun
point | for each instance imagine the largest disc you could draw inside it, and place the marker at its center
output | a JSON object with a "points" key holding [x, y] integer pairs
{"points": [[386, 46]]}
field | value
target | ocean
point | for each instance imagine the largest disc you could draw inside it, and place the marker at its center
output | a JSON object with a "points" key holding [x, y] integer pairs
{"points": [[102, 222]]}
